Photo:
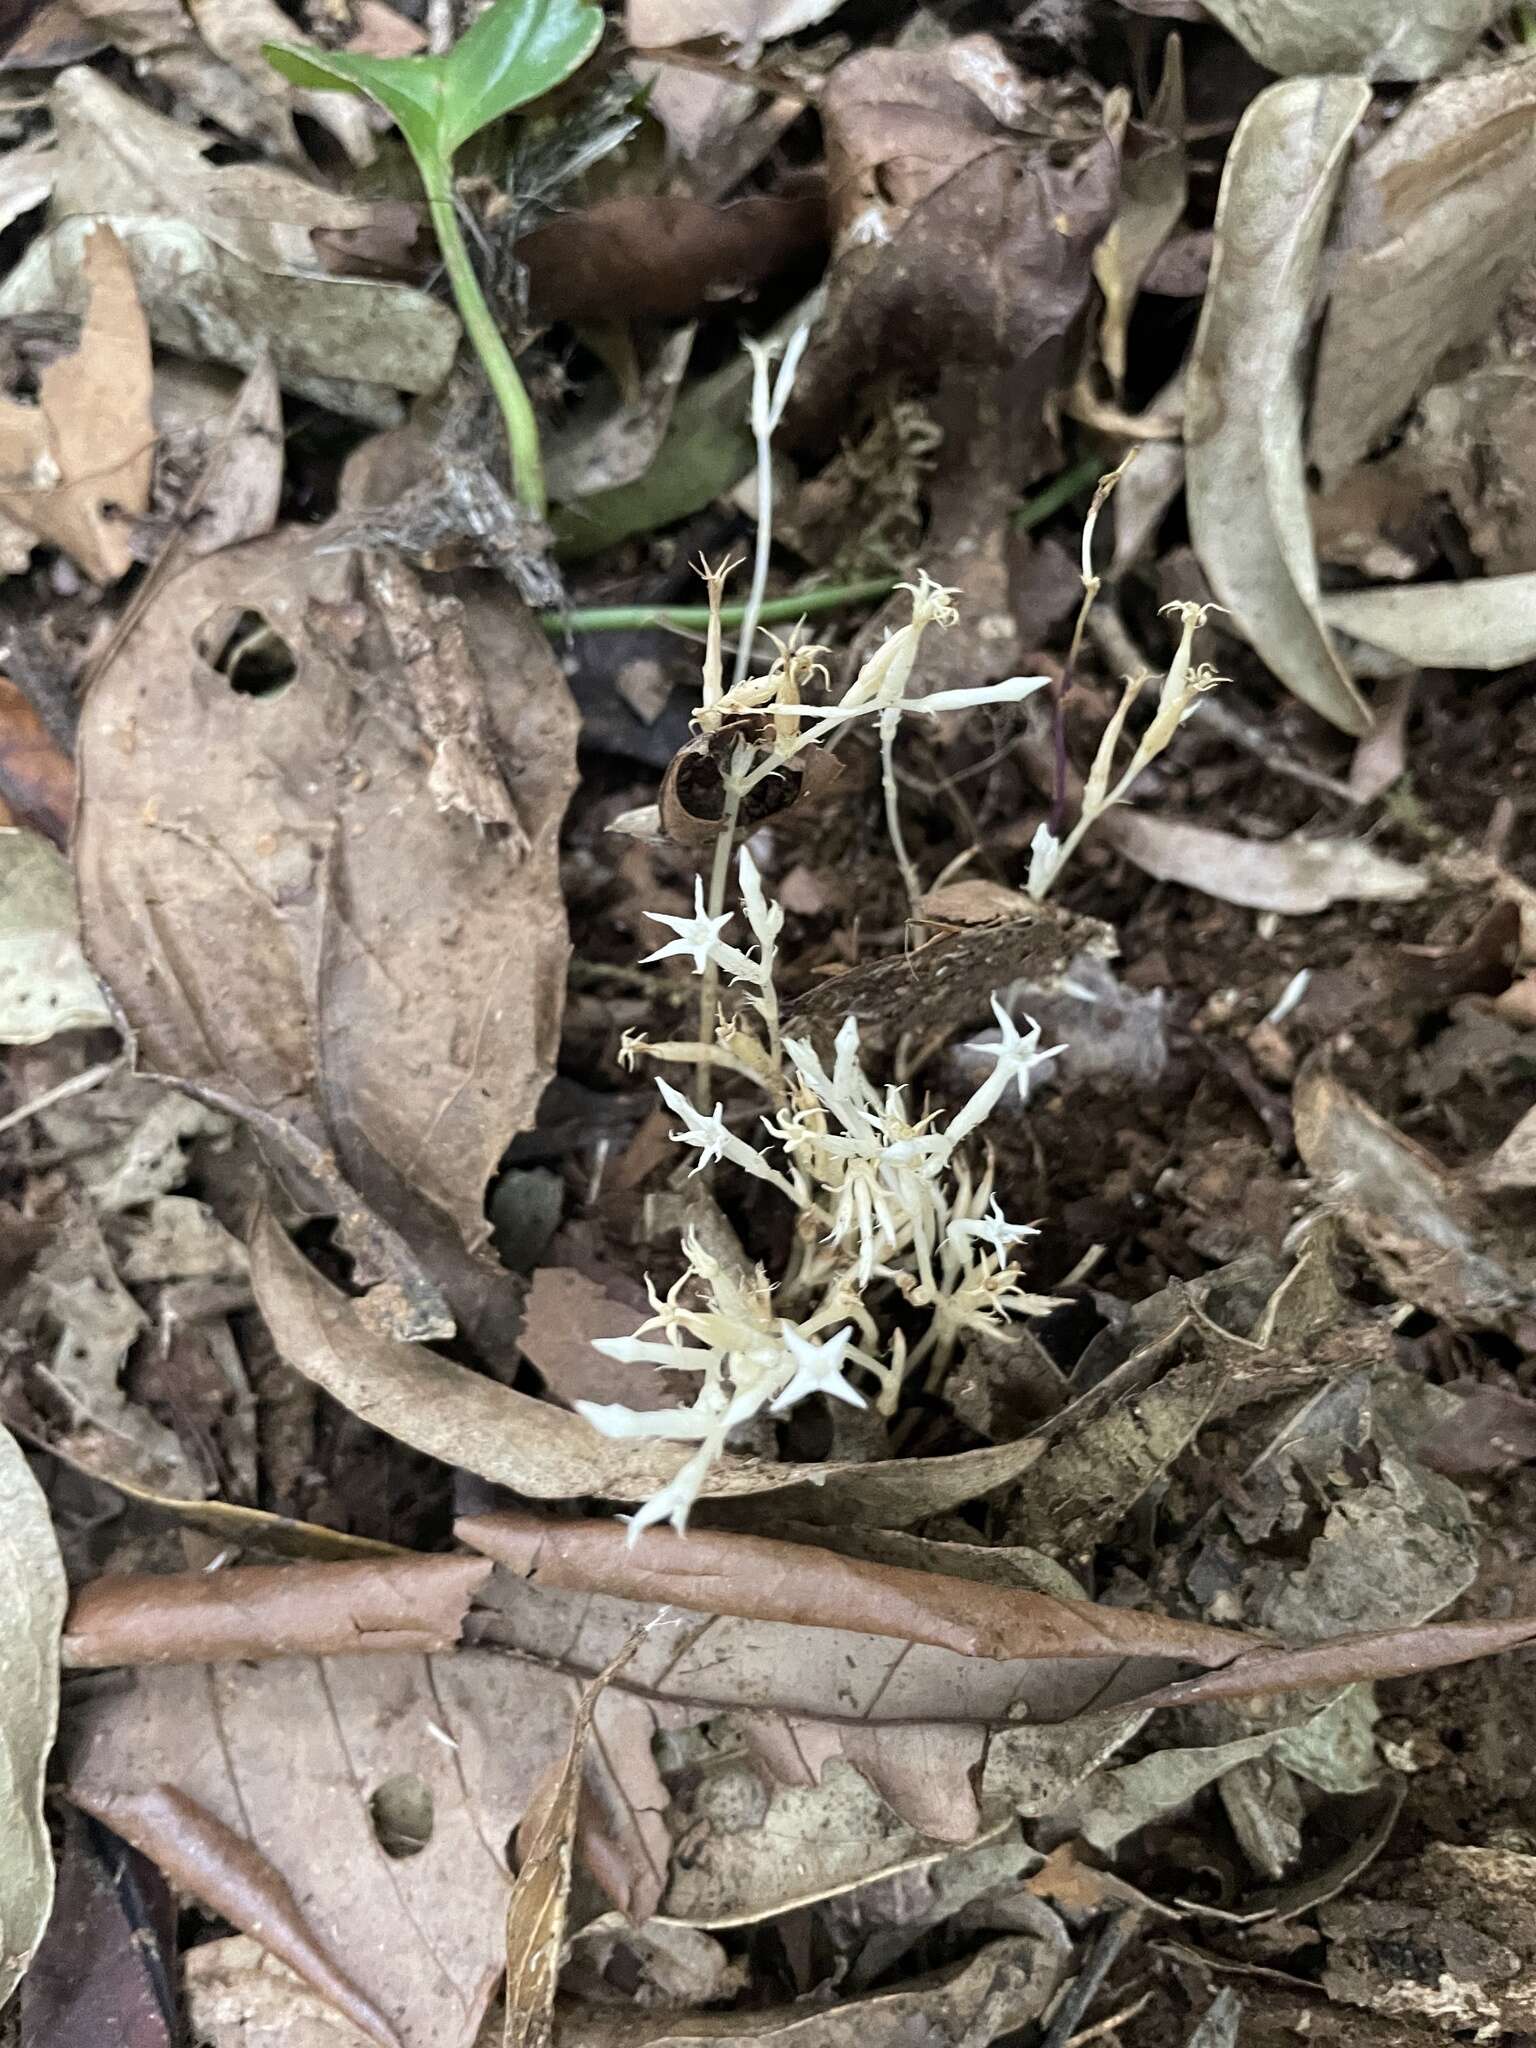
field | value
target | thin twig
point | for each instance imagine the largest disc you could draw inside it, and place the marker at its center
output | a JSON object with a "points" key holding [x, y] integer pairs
{"points": [[1115, 2021], [77, 1084], [1085, 1987]]}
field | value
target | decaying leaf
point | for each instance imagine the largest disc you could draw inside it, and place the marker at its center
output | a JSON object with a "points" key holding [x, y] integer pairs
{"points": [[75, 467], [1432, 1237], [254, 1611], [1244, 401], [655, 24], [564, 1311], [1433, 228], [619, 444], [1381, 38], [931, 152], [32, 1595], [758, 1579], [240, 1996], [320, 938], [223, 259], [999, 1991], [238, 1778], [45, 985], [1487, 622], [1153, 189], [1294, 876]]}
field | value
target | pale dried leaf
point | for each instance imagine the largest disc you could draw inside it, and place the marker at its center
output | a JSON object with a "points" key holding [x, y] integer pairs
{"points": [[1381, 38], [1154, 185], [656, 24], [1296, 877], [239, 1995], [1488, 622], [26, 179], [1434, 225], [75, 467], [45, 985], [604, 449], [32, 1595], [1244, 396]]}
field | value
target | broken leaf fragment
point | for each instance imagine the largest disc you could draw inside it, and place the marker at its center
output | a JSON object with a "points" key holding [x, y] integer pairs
{"points": [[1244, 399], [45, 985], [75, 468]]}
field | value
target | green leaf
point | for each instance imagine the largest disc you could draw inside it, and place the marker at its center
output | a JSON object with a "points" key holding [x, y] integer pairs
{"points": [[516, 51]]}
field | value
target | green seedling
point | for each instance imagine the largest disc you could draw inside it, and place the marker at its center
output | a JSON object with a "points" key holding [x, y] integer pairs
{"points": [[516, 51]]}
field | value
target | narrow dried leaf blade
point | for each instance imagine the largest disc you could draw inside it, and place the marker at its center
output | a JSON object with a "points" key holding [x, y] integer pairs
{"points": [[32, 1597], [1244, 399], [1488, 622]]}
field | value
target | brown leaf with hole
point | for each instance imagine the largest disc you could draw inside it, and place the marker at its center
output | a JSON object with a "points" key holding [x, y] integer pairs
{"points": [[75, 467], [301, 1610], [230, 1876], [759, 1579], [272, 887], [667, 258], [308, 1771]]}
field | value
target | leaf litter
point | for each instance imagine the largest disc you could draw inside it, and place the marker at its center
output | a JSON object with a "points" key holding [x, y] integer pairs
{"points": [[929, 1719]]}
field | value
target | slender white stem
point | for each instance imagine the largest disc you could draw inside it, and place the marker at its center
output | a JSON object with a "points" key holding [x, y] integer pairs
{"points": [[889, 720], [709, 981]]}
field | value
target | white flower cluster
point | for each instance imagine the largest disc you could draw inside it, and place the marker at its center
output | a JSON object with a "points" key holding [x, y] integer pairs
{"points": [[887, 1212]]}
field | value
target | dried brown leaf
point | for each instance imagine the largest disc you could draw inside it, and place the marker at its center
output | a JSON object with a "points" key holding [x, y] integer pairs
{"points": [[76, 466], [759, 1579], [1435, 1241], [1434, 226], [662, 258], [1153, 189], [1295, 876], [564, 1311], [252, 1611], [203, 1856], [544, 1451], [289, 1761], [1244, 401], [1009, 1983], [271, 887], [928, 993], [37, 778]]}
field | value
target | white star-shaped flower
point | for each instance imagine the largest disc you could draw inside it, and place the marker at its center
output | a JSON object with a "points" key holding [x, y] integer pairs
{"points": [[993, 1229], [707, 1132], [1018, 1052], [818, 1370], [698, 937]]}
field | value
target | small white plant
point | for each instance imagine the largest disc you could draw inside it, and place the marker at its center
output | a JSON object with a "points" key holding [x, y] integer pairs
{"points": [[887, 1212]]}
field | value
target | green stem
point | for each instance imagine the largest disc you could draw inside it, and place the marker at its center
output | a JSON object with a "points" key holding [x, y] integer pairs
{"points": [[685, 618], [490, 347], [1061, 490], [694, 618]]}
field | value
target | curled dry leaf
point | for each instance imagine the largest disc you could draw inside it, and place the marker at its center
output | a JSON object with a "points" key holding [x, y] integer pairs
{"points": [[1434, 226], [1244, 401], [45, 985], [1154, 185], [268, 1791], [1380, 38], [1294, 876], [37, 778], [758, 1579], [76, 465], [272, 888], [538, 1449], [32, 1596], [253, 1611], [223, 258], [1001, 1989], [1435, 1241], [1488, 622]]}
